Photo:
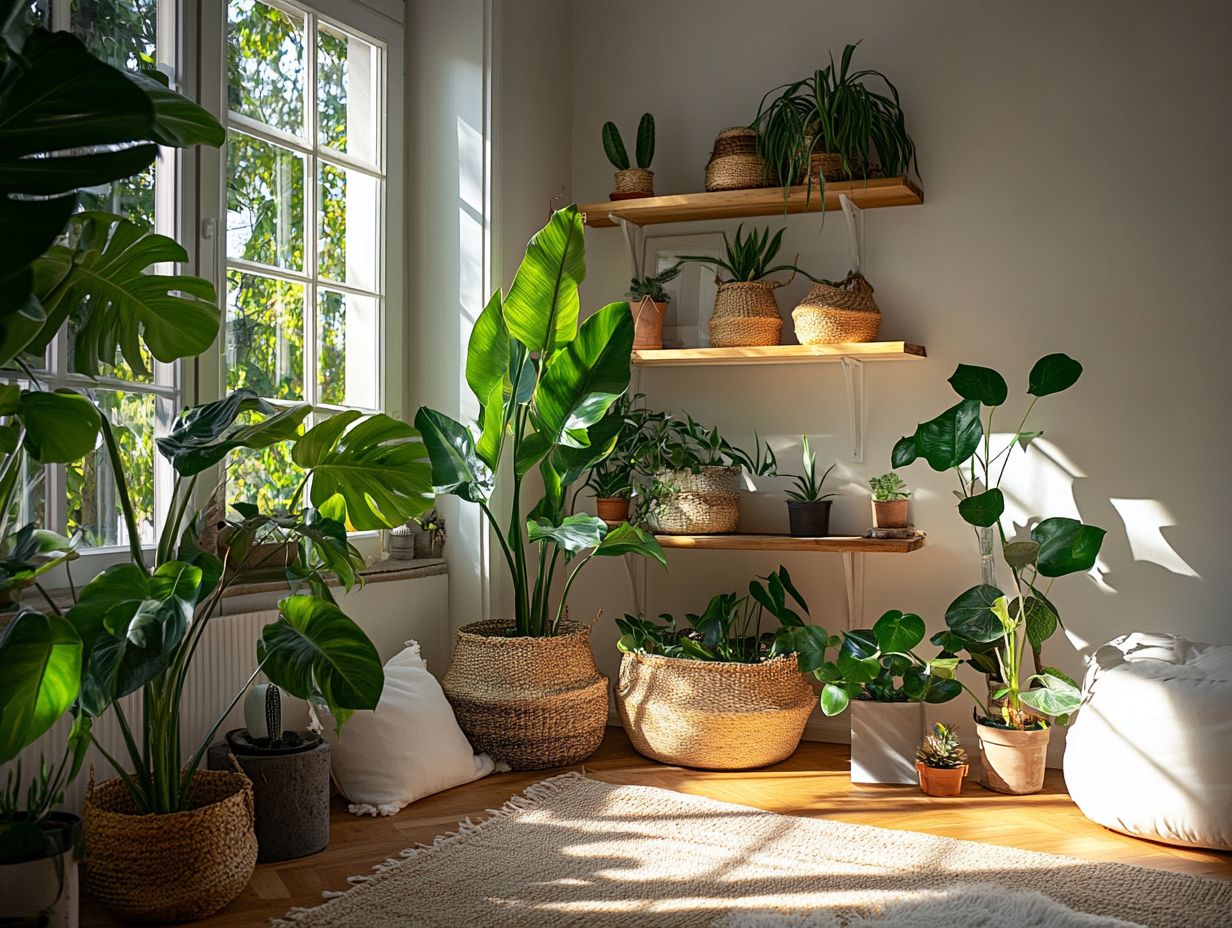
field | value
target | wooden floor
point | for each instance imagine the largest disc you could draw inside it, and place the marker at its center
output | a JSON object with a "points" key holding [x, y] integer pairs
{"points": [[813, 782]]}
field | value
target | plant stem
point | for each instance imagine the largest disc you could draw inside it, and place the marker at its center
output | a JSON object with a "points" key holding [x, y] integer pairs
{"points": [[126, 504]]}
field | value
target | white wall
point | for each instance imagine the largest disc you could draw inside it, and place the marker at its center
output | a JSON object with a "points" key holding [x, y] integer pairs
{"points": [[1074, 162]]}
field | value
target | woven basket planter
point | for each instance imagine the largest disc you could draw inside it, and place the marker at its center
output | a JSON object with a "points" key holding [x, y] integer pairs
{"points": [[530, 702], [721, 481], [176, 867], [745, 314], [702, 503], [712, 715], [634, 182], [734, 163], [836, 314]]}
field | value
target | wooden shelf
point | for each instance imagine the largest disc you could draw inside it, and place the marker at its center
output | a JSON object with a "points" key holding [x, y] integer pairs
{"points": [[839, 543], [779, 354], [762, 201]]}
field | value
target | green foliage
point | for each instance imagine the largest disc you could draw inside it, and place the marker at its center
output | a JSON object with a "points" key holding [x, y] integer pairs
{"points": [[614, 147], [888, 488], [941, 749], [41, 656], [808, 487], [645, 141], [651, 287], [201, 436], [748, 259]]}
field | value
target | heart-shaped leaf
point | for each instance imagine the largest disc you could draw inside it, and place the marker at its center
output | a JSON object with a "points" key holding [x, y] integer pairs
{"points": [[904, 452], [61, 426], [834, 699], [898, 631], [1054, 696], [1020, 554], [982, 384], [1039, 616], [950, 439], [1052, 374], [983, 509], [971, 615], [1066, 546]]}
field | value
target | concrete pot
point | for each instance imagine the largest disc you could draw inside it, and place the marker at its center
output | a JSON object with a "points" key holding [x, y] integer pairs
{"points": [[891, 513], [44, 884], [1013, 760], [290, 798], [883, 740]]}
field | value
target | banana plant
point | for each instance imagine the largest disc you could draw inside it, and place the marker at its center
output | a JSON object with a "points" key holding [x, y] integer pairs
{"points": [[544, 385]]}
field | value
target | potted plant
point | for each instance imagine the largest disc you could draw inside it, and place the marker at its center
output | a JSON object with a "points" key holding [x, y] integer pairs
{"points": [[648, 303], [808, 509], [745, 311], [941, 762], [430, 537], [631, 182], [890, 501], [525, 688], [611, 480], [722, 690], [289, 771], [984, 626]]}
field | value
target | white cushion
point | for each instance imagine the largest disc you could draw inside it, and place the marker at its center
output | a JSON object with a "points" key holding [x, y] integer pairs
{"points": [[1150, 750], [409, 747]]}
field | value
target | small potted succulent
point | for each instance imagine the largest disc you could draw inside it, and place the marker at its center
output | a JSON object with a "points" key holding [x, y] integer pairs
{"points": [[941, 762], [648, 304], [290, 777], [890, 501], [631, 182], [430, 538], [808, 509]]}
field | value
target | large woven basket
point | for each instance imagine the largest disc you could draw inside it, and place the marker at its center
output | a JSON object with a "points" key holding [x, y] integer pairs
{"points": [[834, 314], [713, 715], [734, 163], [724, 481], [745, 314], [176, 867], [694, 514], [530, 702]]}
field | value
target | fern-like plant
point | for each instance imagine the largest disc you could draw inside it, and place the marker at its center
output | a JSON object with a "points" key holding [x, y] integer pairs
{"points": [[941, 749]]}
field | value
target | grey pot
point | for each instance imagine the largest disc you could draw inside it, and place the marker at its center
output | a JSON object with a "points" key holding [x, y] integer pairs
{"points": [[290, 799]]}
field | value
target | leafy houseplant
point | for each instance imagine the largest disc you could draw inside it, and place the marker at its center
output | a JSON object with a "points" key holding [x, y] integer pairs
{"points": [[611, 480], [808, 509], [648, 303], [631, 182], [748, 259], [890, 501], [941, 762]]}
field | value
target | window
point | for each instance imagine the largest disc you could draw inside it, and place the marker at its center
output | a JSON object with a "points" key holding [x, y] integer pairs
{"points": [[305, 205]]}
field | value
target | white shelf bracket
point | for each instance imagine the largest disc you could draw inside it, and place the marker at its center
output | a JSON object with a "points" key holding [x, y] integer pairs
{"points": [[635, 238], [853, 382], [853, 579]]}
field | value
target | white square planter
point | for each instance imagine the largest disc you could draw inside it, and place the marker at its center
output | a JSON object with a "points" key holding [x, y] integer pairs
{"points": [[884, 736]]}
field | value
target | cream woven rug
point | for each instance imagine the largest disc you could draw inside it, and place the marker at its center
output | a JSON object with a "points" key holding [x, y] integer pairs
{"points": [[577, 853]]}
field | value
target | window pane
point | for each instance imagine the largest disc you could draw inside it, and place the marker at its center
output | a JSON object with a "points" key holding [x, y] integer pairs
{"points": [[347, 368], [265, 65], [93, 501], [265, 203], [266, 477], [265, 336], [347, 93], [348, 226]]}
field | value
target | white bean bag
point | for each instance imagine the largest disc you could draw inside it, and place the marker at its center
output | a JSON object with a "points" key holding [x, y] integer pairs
{"points": [[409, 747], [1150, 751]]}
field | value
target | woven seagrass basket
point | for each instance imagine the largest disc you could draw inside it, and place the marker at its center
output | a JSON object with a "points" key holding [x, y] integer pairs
{"points": [[734, 163], [713, 715], [635, 180], [694, 514], [531, 702], [723, 481], [834, 314], [177, 867], [745, 314]]}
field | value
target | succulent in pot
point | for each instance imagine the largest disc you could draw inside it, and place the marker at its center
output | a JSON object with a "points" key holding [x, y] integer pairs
{"points": [[808, 508], [648, 303], [941, 762], [631, 182], [891, 501]]}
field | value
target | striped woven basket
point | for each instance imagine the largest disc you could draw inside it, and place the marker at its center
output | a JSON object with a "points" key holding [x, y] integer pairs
{"points": [[745, 314], [734, 163], [838, 313], [713, 715]]}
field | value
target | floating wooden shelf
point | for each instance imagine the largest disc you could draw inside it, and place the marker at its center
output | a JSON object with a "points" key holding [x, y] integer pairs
{"points": [[762, 201], [779, 354], [838, 543]]}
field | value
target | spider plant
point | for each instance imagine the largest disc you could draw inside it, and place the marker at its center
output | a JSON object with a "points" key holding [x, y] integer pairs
{"points": [[748, 258], [808, 487]]}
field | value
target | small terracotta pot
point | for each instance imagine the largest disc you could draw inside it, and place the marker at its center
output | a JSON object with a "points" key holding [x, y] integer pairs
{"points": [[648, 323], [612, 509], [940, 781], [1013, 760], [632, 183], [891, 513]]}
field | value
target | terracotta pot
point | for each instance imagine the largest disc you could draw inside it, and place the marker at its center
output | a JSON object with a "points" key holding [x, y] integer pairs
{"points": [[612, 509], [647, 323], [891, 513], [531, 702], [1013, 760], [43, 884], [632, 183], [940, 781]]}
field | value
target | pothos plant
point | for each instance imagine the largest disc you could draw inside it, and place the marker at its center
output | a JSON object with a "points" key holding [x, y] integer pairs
{"points": [[991, 629], [544, 384]]}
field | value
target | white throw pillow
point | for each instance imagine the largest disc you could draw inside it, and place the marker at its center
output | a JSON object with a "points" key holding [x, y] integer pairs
{"points": [[409, 747]]}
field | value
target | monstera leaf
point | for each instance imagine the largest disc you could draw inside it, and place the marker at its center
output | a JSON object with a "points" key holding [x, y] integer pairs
{"points": [[374, 466], [41, 657], [201, 436], [541, 310]]}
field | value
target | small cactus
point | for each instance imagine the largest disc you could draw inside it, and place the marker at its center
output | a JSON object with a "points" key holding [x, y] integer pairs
{"points": [[941, 749], [273, 712], [645, 141], [614, 146]]}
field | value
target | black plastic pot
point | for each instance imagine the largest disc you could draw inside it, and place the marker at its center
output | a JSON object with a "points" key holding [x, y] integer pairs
{"points": [[290, 793], [809, 520]]}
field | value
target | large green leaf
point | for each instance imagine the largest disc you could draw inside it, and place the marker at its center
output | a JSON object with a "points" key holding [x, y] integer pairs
{"points": [[1020, 554], [27, 228], [1052, 374], [574, 533], [178, 121], [905, 452], [983, 509], [950, 439], [971, 616], [923, 686], [1066, 546], [582, 380], [898, 631], [487, 352], [29, 553], [541, 310], [61, 426], [979, 383], [456, 466], [809, 643], [629, 539], [41, 657], [376, 465], [834, 699], [201, 436], [314, 651], [1041, 619], [1055, 696]]}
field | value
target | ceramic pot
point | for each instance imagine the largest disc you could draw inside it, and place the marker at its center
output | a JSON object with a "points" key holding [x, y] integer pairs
{"points": [[1013, 760], [612, 509], [940, 781], [808, 520], [883, 740], [891, 513], [647, 322], [43, 883]]}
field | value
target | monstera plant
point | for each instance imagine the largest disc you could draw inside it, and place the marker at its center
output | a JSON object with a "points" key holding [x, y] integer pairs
{"points": [[544, 385]]}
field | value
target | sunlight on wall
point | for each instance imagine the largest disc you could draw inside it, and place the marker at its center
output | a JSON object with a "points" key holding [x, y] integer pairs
{"points": [[471, 237], [1144, 523]]}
